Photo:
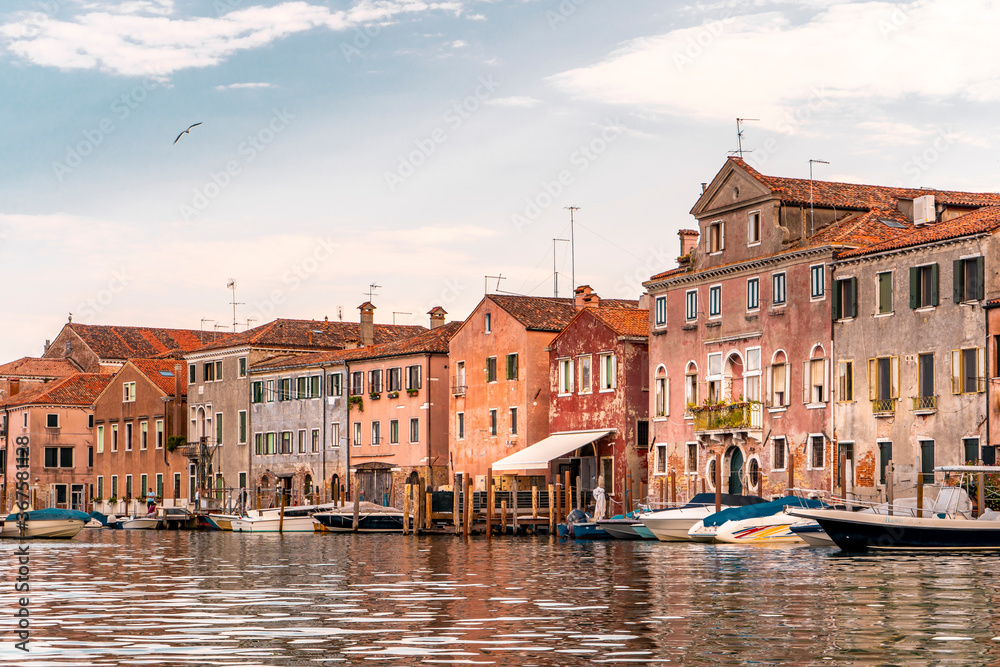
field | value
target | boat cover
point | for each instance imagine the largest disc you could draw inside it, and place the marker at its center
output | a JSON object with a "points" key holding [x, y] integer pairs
{"points": [[730, 499], [51, 514], [557, 445], [760, 509]]}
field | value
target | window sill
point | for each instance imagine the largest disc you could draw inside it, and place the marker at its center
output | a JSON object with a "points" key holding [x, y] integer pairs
{"points": [[607, 391], [923, 309], [661, 419], [929, 411], [815, 406], [774, 410], [889, 314], [842, 320]]}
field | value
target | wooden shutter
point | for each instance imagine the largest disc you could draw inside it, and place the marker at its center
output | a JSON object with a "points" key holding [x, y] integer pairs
{"points": [[894, 379], [722, 236], [958, 280], [934, 284], [980, 369], [914, 286], [827, 380], [956, 371], [852, 307], [806, 381], [666, 397], [838, 305], [872, 379], [980, 279]]}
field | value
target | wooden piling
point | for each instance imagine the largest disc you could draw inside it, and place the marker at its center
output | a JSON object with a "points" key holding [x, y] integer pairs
{"points": [[456, 516], [514, 508], [920, 494], [702, 480], [791, 473], [428, 507], [503, 516], [468, 506], [673, 487], [628, 492], [981, 494], [890, 492], [489, 502], [551, 502], [534, 501], [406, 509], [718, 481], [568, 490], [281, 515], [416, 508], [580, 501], [357, 505]]}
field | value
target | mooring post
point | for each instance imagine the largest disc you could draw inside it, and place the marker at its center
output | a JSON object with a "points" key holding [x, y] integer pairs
{"points": [[981, 494], [551, 502], [920, 494], [503, 516], [673, 487], [568, 489], [281, 514], [890, 492], [791, 473], [628, 492], [534, 501], [429, 505], [514, 508], [416, 507], [357, 505], [407, 491], [468, 505], [456, 517], [579, 493], [718, 481], [489, 502]]}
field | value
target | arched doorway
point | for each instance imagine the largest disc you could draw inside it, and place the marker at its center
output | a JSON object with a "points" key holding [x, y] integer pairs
{"points": [[335, 488], [307, 489], [735, 481]]}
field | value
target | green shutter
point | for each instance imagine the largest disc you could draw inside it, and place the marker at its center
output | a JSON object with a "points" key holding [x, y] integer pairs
{"points": [[981, 279], [837, 306], [934, 284], [914, 288], [852, 301], [958, 280]]}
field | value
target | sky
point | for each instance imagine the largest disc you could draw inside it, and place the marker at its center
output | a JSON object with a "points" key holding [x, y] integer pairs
{"points": [[422, 146]]}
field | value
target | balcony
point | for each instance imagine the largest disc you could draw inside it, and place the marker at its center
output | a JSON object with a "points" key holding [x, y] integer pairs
{"points": [[924, 405], [727, 417], [884, 407], [458, 386]]}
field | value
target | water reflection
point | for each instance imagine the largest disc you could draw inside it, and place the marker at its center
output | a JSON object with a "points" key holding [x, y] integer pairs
{"points": [[199, 598]]}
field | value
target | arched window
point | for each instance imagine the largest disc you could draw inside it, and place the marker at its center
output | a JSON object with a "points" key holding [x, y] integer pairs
{"points": [[815, 377], [780, 373], [691, 386], [662, 387]]}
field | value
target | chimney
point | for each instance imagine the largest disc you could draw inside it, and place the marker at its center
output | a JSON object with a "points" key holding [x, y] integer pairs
{"points": [[367, 323], [586, 297], [689, 241], [178, 390], [437, 314], [704, 186], [46, 348], [15, 386]]}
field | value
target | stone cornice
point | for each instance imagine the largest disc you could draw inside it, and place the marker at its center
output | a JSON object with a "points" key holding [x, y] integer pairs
{"points": [[908, 250], [741, 267]]}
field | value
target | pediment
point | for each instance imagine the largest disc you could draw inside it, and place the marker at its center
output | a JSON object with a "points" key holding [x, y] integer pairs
{"points": [[731, 188]]}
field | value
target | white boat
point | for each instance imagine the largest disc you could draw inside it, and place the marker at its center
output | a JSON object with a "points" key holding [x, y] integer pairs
{"points": [[774, 529], [673, 525], [372, 518], [295, 520], [140, 523], [223, 521], [54, 523], [812, 534]]}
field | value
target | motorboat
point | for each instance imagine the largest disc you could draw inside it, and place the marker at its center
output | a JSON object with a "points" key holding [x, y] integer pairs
{"points": [[762, 523], [45, 523], [672, 525], [811, 533], [148, 522], [221, 521], [291, 520], [372, 518], [627, 527]]}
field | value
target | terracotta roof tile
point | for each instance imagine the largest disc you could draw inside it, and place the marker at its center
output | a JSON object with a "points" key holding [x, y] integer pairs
{"points": [[546, 313], [119, 342], [305, 334], [38, 367], [161, 373], [976, 222], [624, 321], [76, 389]]}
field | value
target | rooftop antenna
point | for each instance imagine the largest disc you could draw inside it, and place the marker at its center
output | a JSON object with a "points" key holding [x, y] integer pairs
{"points": [[396, 312], [340, 313], [555, 275], [739, 134], [203, 320], [486, 287], [811, 212], [572, 248], [232, 285], [371, 291], [249, 320]]}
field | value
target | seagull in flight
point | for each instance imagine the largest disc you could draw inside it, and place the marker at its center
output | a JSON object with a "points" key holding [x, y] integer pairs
{"points": [[185, 132]]}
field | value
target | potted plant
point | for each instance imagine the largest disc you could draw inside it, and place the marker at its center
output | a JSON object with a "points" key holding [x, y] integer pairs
{"points": [[175, 441], [113, 499], [374, 395], [393, 394], [356, 401], [412, 392]]}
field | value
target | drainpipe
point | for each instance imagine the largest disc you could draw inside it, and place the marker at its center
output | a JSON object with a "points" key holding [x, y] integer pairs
{"points": [[989, 441], [833, 407], [430, 470], [324, 395], [347, 470]]}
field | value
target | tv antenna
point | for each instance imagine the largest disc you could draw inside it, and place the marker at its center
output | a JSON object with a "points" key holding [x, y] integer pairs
{"points": [[232, 285], [203, 320], [398, 312], [486, 286], [572, 248], [371, 291], [555, 274], [249, 320], [739, 134]]}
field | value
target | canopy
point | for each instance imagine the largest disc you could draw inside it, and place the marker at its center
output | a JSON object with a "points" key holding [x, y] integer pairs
{"points": [[538, 455], [760, 509]]}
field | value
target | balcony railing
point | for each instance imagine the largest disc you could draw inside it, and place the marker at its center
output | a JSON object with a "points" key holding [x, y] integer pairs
{"points": [[881, 406], [727, 417], [458, 386], [924, 403]]}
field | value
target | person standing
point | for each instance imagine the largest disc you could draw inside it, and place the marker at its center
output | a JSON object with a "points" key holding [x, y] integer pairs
{"points": [[150, 501]]}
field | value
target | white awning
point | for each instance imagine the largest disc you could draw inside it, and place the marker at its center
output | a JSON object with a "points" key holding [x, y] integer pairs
{"points": [[538, 455]]}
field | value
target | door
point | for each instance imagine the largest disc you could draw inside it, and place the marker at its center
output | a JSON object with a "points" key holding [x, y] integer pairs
{"points": [[76, 497], [375, 484], [736, 472]]}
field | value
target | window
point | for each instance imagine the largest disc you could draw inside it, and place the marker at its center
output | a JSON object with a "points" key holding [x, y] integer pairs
{"points": [[609, 372], [58, 457], [301, 387], [128, 436], [488, 322], [100, 439], [814, 374], [753, 228], [90, 421], [491, 369], [143, 435], [314, 441], [394, 379], [780, 380], [243, 367], [376, 433], [177, 485], [751, 374], [218, 428], [691, 387], [715, 239], [923, 286], [128, 486], [460, 430], [661, 311], [968, 284], [114, 486], [817, 281], [159, 434], [884, 456], [285, 389], [715, 301], [971, 446], [128, 392], [335, 435], [883, 383], [271, 443], [884, 294], [357, 383], [257, 392], [243, 427], [415, 429], [51, 420], [209, 375], [642, 434], [413, 376], [375, 381], [753, 294], [218, 371], [513, 421], [314, 382], [927, 461], [286, 442], [845, 298], [100, 487], [270, 391], [143, 482], [661, 459], [335, 386], [968, 370], [459, 387], [586, 384], [778, 289], [845, 381], [778, 454], [565, 376], [925, 380], [817, 451], [512, 368], [660, 391], [691, 305], [393, 431], [114, 437], [192, 372], [258, 443], [493, 423]]}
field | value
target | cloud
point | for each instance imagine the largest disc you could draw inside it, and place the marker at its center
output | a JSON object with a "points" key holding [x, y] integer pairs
{"points": [[514, 101], [769, 66], [241, 86], [146, 38]]}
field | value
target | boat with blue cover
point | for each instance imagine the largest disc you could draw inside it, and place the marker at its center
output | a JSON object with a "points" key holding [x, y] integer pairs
{"points": [[672, 525], [753, 524], [51, 522]]}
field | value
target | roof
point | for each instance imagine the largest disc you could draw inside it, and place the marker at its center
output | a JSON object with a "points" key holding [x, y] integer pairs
{"points": [[161, 373], [305, 334], [976, 222], [547, 313], [76, 389], [119, 342], [434, 341], [624, 321], [38, 367]]}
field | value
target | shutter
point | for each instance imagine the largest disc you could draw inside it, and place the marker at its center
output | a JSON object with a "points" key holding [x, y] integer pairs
{"points": [[806, 381], [914, 279], [852, 285], [934, 284], [722, 236], [788, 382], [827, 380], [666, 397], [767, 386], [956, 372], [958, 280], [980, 279], [894, 372], [980, 369], [838, 305], [872, 379]]}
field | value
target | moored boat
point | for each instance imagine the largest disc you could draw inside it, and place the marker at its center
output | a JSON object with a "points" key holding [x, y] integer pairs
{"points": [[372, 518], [295, 520], [673, 525], [762, 523], [624, 528], [812, 534], [141, 523], [46, 523]]}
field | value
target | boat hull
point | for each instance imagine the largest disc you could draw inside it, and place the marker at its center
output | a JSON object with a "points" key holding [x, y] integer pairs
{"points": [[626, 530], [674, 525], [813, 534], [588, 531], [273, 524], [855, 531], [222, 521], [141, 523], [774, 529], [44, 528], [375, 522]]}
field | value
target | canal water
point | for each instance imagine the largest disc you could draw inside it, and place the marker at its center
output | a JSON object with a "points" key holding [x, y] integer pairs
{"points": [[210, 598]]}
